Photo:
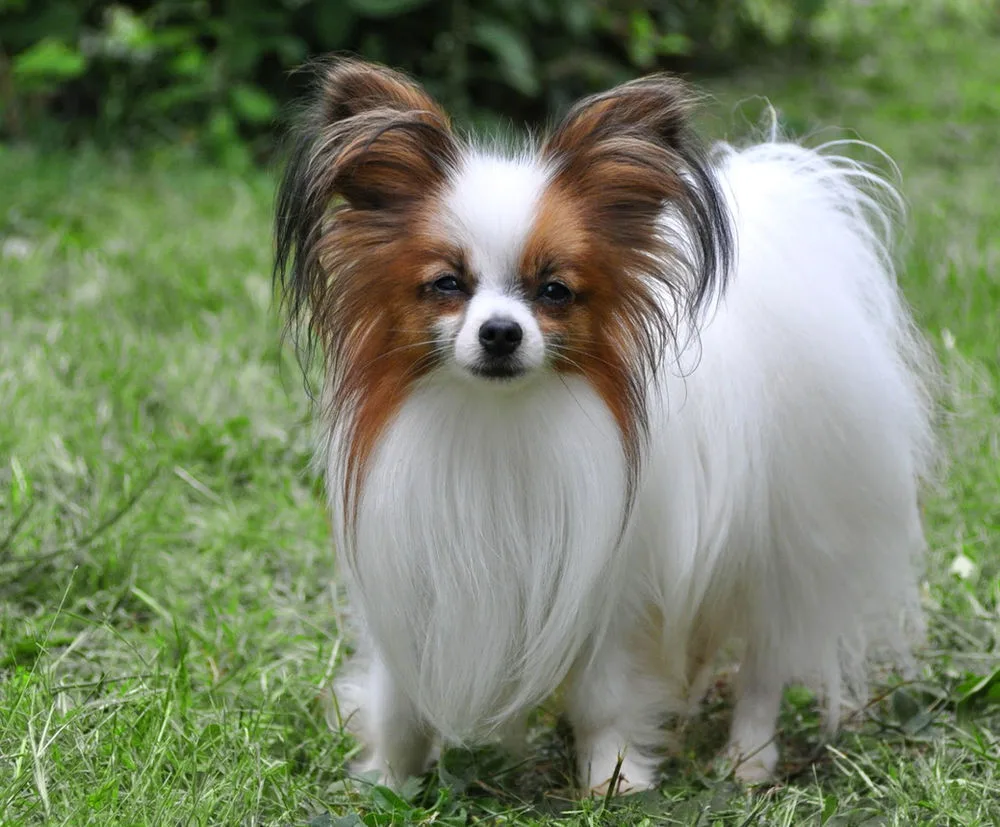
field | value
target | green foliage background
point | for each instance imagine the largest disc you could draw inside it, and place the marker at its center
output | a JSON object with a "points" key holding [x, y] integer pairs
{"points": [[211, 71]]}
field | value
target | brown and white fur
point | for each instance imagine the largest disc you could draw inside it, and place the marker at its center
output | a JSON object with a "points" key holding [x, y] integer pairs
{"points": [[595, 407]]}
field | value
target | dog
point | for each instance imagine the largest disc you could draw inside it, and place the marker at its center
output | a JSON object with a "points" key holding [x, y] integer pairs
{"points": [[595, 407]]}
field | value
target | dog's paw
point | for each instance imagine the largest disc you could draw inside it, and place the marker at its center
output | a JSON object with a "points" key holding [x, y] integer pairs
{"points": [[629, 781], [753, 766], [604, 769], [367, 772]]}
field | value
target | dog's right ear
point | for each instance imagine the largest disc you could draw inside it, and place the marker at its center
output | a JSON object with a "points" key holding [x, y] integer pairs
{"points": [[349, 87], [383, 140], [372, 136], [372, 142]]}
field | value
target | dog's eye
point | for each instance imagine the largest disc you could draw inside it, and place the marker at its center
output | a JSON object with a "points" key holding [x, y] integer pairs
{"points": [[447, 284], [555, 292]]}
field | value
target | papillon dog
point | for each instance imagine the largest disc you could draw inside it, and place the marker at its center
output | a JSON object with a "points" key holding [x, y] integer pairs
{"points": [[596, 408]]}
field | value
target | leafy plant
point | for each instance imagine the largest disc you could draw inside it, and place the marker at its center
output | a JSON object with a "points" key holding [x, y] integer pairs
{"points": [[217, 73]]}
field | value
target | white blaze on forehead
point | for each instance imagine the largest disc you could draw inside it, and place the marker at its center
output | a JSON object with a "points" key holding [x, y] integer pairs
{"points": [[489, 210]]}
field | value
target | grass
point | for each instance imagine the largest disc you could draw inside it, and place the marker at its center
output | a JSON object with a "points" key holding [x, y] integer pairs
{"points": [[168, 621]]}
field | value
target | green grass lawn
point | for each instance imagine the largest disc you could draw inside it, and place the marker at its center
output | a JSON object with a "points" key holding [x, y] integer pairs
{"points": [[168, 618]]}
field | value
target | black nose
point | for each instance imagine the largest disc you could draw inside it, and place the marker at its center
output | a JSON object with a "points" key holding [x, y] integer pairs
{"points": [[500, 337]]}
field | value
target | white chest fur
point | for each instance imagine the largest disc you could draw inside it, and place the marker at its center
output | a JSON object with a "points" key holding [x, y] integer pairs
{"points": [[484, 560]]}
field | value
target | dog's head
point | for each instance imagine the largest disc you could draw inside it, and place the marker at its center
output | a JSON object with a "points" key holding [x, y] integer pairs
{"points": [[411, 250]]}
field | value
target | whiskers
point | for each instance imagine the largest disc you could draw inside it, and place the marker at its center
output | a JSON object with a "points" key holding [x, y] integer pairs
{"points": [[437, 350], [566, 353]]}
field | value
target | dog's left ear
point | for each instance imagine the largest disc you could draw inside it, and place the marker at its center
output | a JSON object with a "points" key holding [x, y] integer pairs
{"points": [[632, 156]]}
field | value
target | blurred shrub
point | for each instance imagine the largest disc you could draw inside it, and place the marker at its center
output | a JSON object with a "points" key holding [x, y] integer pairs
{"points": [[213, 71]]}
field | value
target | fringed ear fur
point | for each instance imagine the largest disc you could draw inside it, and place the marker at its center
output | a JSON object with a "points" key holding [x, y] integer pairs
{"points": [[373, 142], [631, 154]]}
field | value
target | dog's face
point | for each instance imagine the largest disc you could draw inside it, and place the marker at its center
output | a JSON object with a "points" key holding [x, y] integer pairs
{"points": [[499, 300], [516, 295], [413, 252]]}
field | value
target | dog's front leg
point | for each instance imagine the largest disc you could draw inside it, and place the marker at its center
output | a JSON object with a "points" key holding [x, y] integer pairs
{"points": [[615, 705], [397, 742]]}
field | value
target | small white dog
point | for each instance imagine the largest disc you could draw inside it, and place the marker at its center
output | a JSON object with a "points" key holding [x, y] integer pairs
{"points": [[596, 408]]}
